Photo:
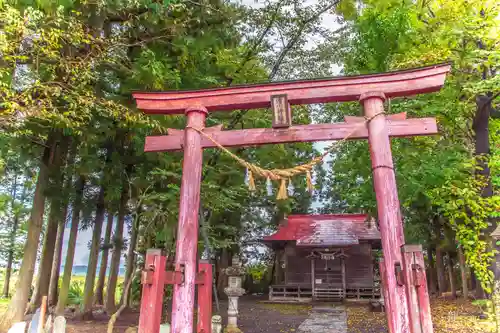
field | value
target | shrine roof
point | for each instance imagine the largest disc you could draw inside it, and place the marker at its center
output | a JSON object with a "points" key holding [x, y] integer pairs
{"points": [[325, 230]]}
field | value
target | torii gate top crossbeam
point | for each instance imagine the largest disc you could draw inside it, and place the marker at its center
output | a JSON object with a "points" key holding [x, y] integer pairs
{"points": [[338, 89]]}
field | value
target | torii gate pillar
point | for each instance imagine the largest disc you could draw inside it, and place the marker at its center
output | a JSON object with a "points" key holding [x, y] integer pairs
{"points": [[187, 229], [389, 214]]}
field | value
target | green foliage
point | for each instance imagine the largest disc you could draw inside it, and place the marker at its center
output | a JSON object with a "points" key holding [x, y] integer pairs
{"points": [[258, 271], [438, 177], [75, 294]]}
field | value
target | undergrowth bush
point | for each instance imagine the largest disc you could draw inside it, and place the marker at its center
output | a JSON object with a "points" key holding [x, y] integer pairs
{"points": [[75, 293]]}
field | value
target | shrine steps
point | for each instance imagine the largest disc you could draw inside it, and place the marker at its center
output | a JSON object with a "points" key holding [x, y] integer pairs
{"points": [[328, 294], [304, 294]]}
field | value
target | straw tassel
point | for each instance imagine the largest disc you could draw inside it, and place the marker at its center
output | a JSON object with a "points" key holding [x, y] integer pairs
{"points": [[290, 188], [269, 187], [282, 195], [309, 183], [249, 180]]}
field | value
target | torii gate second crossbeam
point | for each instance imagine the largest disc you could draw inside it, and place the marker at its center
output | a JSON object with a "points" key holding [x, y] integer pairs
{"points": [[404, 313]]}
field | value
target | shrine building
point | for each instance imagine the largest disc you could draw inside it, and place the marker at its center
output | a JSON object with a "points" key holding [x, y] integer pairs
{"points": [[324, 257]]}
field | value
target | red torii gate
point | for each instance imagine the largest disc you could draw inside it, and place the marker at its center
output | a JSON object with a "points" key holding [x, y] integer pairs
{"points": [[403, 273]]}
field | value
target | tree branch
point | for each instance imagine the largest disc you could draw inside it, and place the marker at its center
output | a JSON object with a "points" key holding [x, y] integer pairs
{"points": [[492, 97], [251, 52], [240, 114], [297, 36]]}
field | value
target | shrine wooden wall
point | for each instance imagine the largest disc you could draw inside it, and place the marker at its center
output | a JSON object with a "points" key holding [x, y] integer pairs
{"points": [[359, 266], [298, 268], [358, 263]]}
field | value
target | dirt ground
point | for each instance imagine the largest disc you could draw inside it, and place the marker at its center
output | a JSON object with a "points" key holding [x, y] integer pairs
{"points": [[256, 316], [448, 315]]}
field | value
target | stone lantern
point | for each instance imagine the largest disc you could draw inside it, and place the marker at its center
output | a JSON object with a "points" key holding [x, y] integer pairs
{"points": [[233, 292]]}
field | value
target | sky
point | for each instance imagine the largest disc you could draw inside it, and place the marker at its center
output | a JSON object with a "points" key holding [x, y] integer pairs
{"points": [[82, 244]]}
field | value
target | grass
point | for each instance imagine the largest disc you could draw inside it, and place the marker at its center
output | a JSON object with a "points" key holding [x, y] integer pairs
{"points": [[4, 302], [75, 295], [288, 308]]}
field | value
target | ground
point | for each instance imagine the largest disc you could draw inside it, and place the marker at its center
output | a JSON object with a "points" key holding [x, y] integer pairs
{"points": [[448, 315], [256, 316]]}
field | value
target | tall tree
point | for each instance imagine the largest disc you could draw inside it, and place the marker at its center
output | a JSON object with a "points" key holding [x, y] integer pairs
{"points": [[17, 214], [105, 246], [66, 193], [17, 306], [114, 269], [44, 271], [88, 292], [442, 171], [70, 253]]}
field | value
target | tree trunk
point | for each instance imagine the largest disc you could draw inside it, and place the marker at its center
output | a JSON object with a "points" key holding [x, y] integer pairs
{"points": [[451, 277], [463, 272], [44, 270], [70, 253], [88, 292], [10, 259], [480, 125], [432, 271], [12, 244], [17, 305], [473, 282], [131, 254], [56, 263], [114, 268], [99, 291], [479, 292], [222, 278], [440, 271]]}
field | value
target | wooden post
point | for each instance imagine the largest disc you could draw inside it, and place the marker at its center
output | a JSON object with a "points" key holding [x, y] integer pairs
{"points": [[43, 311], [313, 278], [286, 266], [205, 298], [344, 284], [411, 291], [153, 280], [416, 289], [423, 295], [384, 292], [391, 227], [187, 229]]}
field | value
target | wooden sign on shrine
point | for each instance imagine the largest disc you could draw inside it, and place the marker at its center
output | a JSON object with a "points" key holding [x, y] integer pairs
{"points": [[404, 312]]}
